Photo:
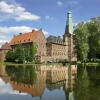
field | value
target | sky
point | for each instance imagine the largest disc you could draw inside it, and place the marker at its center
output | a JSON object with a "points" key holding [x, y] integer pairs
{"points": [[51, 15]]}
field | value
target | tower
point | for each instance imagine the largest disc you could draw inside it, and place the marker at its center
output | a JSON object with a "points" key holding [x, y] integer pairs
{"points": [[68, 37], [69, 24]]}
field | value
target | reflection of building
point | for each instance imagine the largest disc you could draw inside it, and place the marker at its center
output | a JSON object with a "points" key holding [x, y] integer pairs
{"points": [[65, 75], [36, 89], [57, 74], [51, 49], [62, 77], [50, 77]]}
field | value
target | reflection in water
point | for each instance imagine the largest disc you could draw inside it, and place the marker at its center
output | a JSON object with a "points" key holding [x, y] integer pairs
{"points": [[65, 83], [88, 83], [73, 83], [21, 74]]}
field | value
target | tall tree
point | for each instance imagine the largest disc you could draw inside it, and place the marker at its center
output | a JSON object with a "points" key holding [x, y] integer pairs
{"points": [[94, 38], [81, 41]]}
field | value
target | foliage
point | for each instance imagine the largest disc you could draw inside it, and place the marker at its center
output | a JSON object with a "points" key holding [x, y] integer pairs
{"points": [[81, 42], [22, 74], [33, 50], [94, 38], [22, 54], [10, 56], [87, 40], [19, 54]]}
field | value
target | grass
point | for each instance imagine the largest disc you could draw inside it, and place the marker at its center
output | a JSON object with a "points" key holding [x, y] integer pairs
{"points": [[78, 63], [89, 63]]}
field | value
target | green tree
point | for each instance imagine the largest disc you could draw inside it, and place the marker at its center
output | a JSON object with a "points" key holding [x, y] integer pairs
{"points": [[19, 54], [81, 41], [33, 50], [94, 38], [87, 40], [10, 56]]}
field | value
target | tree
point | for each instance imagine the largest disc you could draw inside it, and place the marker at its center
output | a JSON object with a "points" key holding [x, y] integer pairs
{"points": [[33, 50], [10, 56], [87, 40], [22, 54], [94, 38], [81, 41], [19, 54]]}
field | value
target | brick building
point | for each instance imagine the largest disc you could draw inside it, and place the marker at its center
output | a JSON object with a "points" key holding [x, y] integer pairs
{"points": [[36, 37], [51, 49], [62, 48], [56, 49], [3, 50]]}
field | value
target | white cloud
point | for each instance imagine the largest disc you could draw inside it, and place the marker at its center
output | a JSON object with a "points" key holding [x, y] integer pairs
{"points": [[59, 3], [27, 16], [17, 12], [73, 3], [17, 29], [5, 8], [48, 18]]}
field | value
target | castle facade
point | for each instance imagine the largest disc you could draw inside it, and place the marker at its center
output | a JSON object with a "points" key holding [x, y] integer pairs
{"points": [[52, 48]]}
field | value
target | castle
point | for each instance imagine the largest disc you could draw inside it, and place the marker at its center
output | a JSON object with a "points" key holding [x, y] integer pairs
{"points": [[52, 48]]}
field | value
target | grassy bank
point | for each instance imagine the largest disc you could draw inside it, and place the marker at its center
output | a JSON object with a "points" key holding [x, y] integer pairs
{"points": [[11, 63], [89, 64], [78, 63]]}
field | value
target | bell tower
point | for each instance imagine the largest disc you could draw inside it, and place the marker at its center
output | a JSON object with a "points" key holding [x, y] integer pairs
{"points": [[68, 37]]}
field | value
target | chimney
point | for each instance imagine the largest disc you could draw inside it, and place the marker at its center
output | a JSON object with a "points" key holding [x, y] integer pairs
{"points": [[59, 37], [33, 30], [20, 33], [14, 35], [40, 29]]}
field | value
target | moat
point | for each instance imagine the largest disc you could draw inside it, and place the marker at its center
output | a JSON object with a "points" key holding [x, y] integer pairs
{"points": [[49, 82]]}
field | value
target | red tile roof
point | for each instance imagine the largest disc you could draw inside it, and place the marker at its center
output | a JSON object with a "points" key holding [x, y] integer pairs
{"points": [[24, 38]]}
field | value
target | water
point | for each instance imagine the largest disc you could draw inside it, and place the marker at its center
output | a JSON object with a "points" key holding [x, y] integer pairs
{"points": [[52, 82]]}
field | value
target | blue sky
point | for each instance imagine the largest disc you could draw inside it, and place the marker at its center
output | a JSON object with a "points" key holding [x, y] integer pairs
{"points": [[50, 15]]}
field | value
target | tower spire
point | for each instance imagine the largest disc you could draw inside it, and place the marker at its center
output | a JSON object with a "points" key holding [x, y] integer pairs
{"points": [[69, 24]]}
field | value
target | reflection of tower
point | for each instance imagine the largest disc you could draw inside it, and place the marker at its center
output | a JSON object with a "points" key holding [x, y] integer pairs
{"points": [[68, 37], [69, 86]]}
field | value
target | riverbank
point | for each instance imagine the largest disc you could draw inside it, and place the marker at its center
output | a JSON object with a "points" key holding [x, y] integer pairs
{"points": [[89, 64], [65, 64], [20, 64]]}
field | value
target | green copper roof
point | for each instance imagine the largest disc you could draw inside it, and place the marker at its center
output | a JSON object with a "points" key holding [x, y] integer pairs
{"points": [[69, 25]]}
